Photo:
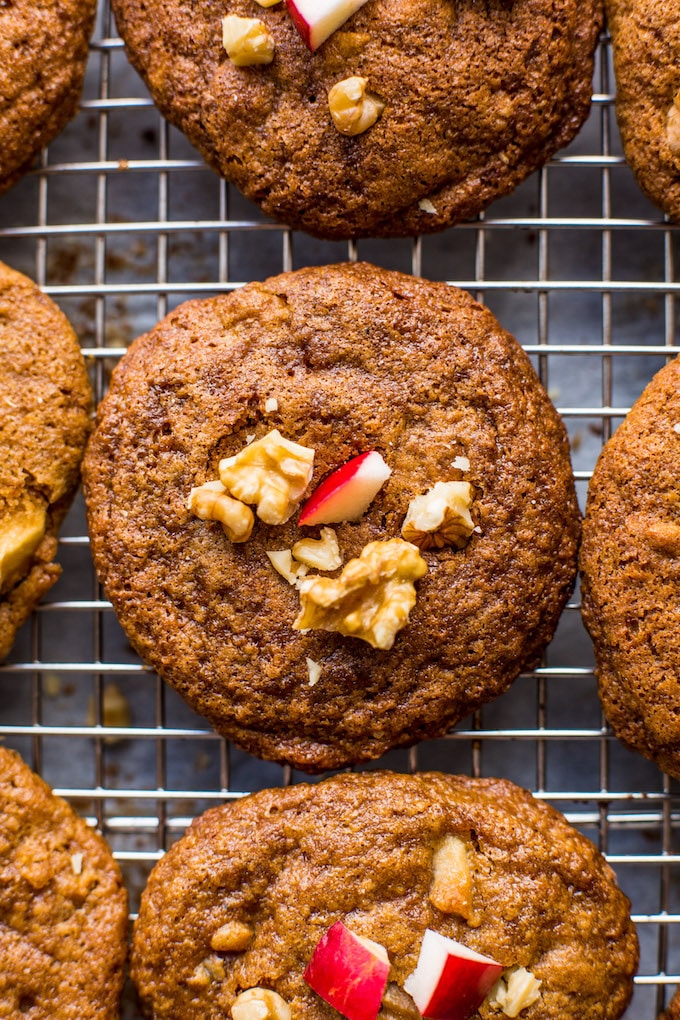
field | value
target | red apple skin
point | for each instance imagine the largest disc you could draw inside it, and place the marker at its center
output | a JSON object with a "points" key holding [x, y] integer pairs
{"points": [[462, 986], [313, 510], [300, 23], [347, 974]]}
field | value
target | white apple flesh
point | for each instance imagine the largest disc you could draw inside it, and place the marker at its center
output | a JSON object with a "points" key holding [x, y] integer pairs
{"points": [[316, 20], [348, 492], [450, 980], [349, 972]]}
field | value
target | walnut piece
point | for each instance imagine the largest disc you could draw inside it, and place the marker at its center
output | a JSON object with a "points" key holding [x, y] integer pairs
{"points": [[20, 535], [320, 553], [247, 41], [451, 888], [77, 863], [272, 473], [673, 125], [210, 969], [210, 502], [516, 990], [232, 937], [372, 597], [260, 1004], [440, 517], [284, 564], [353, 109]]}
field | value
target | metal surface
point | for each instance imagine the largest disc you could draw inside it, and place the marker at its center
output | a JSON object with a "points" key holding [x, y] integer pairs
{"points": [[120, 223]]}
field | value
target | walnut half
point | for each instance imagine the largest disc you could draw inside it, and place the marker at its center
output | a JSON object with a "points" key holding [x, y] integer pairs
{"points": [[210, 502], [271, 473], [440, 517], [372, 597]]}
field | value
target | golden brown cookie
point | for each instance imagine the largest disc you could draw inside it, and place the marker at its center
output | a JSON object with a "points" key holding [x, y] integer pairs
{"points": [[630, 562], [476, 96], [62, 904], [646, 46], [43, 53], [44, 423], [342, 360], [243, 898]]}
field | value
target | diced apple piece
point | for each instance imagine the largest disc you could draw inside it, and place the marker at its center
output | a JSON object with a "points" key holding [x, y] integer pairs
{"points": [[450, 980], [348, 492], [349, 972], [316, 20]]}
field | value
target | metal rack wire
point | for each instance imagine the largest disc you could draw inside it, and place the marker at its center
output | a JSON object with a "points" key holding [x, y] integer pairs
{"points": [[119, 223]]}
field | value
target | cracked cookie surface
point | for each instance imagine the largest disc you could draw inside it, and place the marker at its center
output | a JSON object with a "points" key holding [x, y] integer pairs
{"points": [[242, 899], [63, 909], [341, 359]]}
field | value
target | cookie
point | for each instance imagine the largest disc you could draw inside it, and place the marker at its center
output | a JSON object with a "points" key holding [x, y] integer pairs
{"points": [[43, 53], [646, 45], [341, 360], [473, 98], [244, 897], [64, 910], [672, 1011], [630, 562], [44, 423]]}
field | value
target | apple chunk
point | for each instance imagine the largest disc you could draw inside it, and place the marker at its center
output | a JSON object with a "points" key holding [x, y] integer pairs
{"points": [[349, 972], [450, 980], [316, 20], [347, 493]]}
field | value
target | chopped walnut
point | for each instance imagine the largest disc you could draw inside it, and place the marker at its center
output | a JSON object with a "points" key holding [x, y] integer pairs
{"points": [[77, 863], [462, 463], [673, 125], [284, 564], [20, 535], [320, 553], [247, 41], [425, 205], [271, 405], [210, 502], [440, 517], [372, 597], [353, 109], [232, 937], [451, 887], [516, 990], [210, 969], [271, 473], [260, 1004], [314, 670]]}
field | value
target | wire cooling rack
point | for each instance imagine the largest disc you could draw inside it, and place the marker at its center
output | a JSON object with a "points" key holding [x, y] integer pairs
{"points": [[121, 222]]}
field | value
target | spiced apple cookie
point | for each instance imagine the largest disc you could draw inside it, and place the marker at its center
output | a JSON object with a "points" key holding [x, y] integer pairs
{"points": [[263, 903], [64, 910], [412, 115], [43, 53], [44, 423], [646, 46], [630, 563], [448, 521]]}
